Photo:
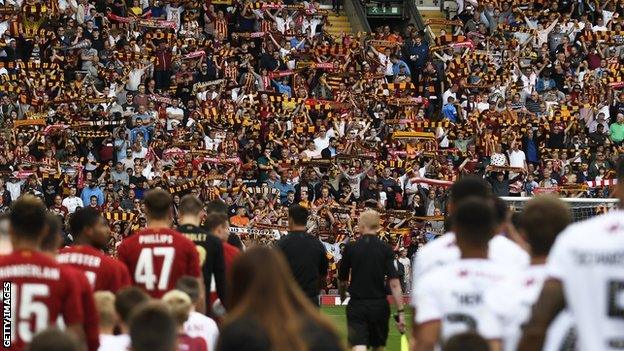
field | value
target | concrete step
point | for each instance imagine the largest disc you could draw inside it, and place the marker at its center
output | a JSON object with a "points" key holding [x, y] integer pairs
{"points": [[338, 24], [338, 20], [428, 12], [431, 14]]}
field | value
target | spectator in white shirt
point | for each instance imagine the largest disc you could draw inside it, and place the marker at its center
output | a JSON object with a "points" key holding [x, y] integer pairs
{"points": [[312, 151], [198, 325], [517, 158], [174, 113], [322, 141], [72, 202]]}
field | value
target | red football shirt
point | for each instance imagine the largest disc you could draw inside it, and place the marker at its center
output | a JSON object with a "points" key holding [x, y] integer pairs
{"points": [[40, 290], [102, 271], [91, 321], [229, 254], [157, 258], [189, 343]]}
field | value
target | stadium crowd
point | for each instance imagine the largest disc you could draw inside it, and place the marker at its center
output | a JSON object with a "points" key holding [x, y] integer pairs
{"points": [[256, 105]]}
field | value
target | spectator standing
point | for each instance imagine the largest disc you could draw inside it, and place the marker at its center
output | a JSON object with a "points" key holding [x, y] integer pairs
{"points": [[369, 262], [305, 254], [92, 190], [617, 130]]}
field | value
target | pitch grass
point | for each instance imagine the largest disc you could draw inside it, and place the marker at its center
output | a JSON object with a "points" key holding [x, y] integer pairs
{"points": [[337, 314]]}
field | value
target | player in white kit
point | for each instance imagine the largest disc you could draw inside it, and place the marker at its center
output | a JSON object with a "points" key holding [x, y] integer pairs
{"points": [[444, 250], [449, 299], [586, 275], [542, 219]]}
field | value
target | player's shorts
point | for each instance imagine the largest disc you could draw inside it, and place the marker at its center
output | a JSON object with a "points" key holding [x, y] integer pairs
{"points": [[367, 322]]}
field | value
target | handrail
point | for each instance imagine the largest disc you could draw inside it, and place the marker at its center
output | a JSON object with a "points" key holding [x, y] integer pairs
{"points": [[355, 7]]}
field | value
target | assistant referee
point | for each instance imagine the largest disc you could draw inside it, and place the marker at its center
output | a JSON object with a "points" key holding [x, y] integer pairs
{"points": [[370, 262]]}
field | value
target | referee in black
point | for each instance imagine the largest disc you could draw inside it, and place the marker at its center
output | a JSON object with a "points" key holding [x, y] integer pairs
{"points": [[370, 262], [305, 254]]}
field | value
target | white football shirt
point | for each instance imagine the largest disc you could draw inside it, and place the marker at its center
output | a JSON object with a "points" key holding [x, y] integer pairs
{"points": [[455, 295], [444, 250], [588, 258], [511, 302]]}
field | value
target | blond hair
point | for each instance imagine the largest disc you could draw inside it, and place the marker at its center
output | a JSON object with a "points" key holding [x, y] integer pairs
{"points": [[105, 304], [369, 219], [179, 304]]}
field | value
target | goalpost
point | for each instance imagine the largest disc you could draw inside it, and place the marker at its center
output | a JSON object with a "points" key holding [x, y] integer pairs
{"points": [[581, 208]]}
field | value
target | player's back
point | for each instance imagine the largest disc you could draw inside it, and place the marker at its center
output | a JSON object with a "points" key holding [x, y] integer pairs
{"points": [[157, 258], [588, 258], [511, 302], [87, 303], [444, 250], [40, 290], [102, 271], [455, 295]]}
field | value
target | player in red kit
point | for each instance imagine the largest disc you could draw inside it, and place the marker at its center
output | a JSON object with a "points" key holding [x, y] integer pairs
{"points": [[91, 235], [40, 289], [158, 256], [218, 224], [50, 245]]}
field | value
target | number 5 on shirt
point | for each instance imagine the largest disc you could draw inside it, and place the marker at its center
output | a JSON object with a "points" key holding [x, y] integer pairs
{"points": [[144, 272], [29, 309]]}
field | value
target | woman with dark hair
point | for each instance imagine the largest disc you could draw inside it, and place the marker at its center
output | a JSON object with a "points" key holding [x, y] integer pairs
{"points": [[268, 310]]}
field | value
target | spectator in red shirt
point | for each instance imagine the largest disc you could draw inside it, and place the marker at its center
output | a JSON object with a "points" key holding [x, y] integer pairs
{"points": [[58, 207], [180, 304]]}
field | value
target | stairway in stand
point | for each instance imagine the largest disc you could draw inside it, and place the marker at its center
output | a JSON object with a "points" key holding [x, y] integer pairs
{"points": [[338, 24], [428, 12]]}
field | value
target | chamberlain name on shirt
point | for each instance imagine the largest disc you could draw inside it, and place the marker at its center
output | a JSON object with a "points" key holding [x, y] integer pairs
{"points": [[79, 259], [156, 239], [30, 271], [606, 258]]}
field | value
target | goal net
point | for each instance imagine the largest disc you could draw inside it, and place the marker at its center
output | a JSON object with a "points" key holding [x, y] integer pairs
{"points": [[581, 208]]}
